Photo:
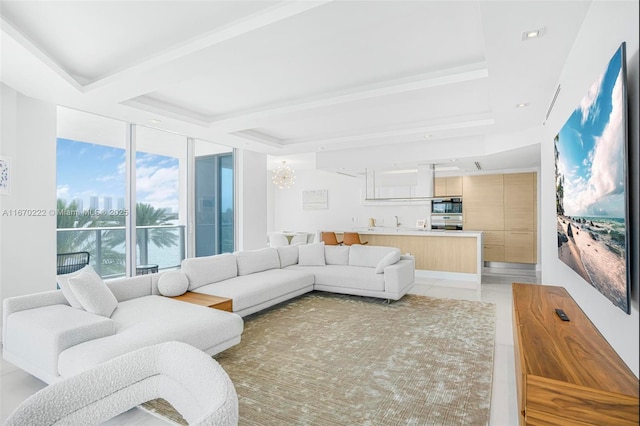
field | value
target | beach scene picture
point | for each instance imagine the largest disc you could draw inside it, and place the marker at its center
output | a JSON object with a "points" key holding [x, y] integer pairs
{"points": [[590, 155]]}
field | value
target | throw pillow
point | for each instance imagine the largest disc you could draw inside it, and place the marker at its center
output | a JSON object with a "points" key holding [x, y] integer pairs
{"points": [[173, 283], [92, 293], [389, 259], [63, 283], [311, 254]]}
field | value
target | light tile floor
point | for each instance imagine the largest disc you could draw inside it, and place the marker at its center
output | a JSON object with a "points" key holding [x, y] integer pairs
{"points": [[16, 385]]}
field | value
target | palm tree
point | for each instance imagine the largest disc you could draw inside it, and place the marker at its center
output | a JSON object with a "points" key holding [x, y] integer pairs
{"points": [[69, 217], [146, 215]]}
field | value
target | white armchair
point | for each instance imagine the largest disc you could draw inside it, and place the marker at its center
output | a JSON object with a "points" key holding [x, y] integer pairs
{"points": [[189, 379]]}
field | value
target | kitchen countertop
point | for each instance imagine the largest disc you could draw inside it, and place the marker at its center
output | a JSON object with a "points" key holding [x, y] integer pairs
{"points": [[392, 230]]}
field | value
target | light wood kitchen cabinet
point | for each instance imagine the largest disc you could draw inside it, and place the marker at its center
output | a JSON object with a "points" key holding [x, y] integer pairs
{"points": [[433, 253], [520, 202], [483, 203], [450, 186], [504, 207], [493, 246], [519, 246]]}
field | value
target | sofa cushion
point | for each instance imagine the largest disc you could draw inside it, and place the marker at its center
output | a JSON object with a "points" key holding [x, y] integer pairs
{"points": [[173, 283], [250, 290], [311, 254], [131, 287], [354, 277], [288, 255], [92, 293], [252, 261], [368, 256], [209, 269], [336, 255], [63, 283], [388, 260], [37, 336], [149, 320]]}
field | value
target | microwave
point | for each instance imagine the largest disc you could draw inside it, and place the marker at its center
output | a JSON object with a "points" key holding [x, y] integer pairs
{"points": [[447, 206]]}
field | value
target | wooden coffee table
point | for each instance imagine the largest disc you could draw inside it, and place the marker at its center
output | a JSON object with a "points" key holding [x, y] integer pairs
{"points": [[216, 302]]}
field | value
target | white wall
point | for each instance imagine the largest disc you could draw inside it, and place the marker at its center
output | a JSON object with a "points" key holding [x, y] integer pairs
{"points": [[252, 200], [606, 25], [28, 243]]}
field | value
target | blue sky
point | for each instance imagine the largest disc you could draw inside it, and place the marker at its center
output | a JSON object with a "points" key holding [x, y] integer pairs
{"points": [[85, 170], [591, 147]]}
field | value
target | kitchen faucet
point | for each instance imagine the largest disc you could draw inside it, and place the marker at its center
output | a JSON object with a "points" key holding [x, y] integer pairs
{"points": [[397, 222]]}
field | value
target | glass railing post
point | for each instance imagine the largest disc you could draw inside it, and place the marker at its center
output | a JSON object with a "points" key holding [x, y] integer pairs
{"points": [[99, 252]]}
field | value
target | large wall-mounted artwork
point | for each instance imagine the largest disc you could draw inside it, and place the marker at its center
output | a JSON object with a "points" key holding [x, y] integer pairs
{"points": [[592, 186]]}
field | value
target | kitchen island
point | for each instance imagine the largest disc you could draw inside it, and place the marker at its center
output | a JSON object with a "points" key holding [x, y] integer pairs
{"points": [[439, 254]]}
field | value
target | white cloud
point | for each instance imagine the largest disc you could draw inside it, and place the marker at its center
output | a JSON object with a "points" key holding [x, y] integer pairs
{"points": [[588, 107], [606, 181], [158, 186], [62, 191]]}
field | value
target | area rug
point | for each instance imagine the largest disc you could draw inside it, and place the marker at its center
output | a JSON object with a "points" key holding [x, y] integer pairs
{"points": [[327, 359]]}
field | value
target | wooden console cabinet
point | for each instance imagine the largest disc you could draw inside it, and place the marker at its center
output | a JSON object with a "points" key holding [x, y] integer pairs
{"points": [[566, 372]]}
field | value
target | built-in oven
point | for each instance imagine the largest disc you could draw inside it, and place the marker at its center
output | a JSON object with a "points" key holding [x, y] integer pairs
{"points": [[446, 206], [448, 222], [446, 214]]}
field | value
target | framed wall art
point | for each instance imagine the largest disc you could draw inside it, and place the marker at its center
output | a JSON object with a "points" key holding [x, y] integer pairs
{"points": [[5, 175]]}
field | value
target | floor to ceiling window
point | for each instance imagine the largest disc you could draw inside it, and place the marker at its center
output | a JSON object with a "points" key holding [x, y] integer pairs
{"points": [[161, 189], [91, 186], [97, 186]]}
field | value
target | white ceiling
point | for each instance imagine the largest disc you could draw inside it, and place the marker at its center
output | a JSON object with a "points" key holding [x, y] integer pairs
{"points": [[298, 77]]}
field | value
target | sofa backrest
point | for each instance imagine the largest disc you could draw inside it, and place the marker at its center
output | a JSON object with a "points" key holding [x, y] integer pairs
{"points": [[209, 269], [130, 288], [252, 261], [336, 255], [288, 255], [369, 256]]}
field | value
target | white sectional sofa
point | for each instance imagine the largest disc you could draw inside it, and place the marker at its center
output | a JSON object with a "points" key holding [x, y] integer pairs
{"points": [[47, 337], [257, 279]]}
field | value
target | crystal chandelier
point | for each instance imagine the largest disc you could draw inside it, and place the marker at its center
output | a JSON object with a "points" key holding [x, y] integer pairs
{"points": [[283, 176]]}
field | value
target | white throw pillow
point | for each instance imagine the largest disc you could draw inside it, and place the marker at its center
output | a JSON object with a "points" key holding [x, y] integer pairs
{"points": [[92, 293], [173, 283], [63, 283], [288, 255], [389, 259], [311, 254]]}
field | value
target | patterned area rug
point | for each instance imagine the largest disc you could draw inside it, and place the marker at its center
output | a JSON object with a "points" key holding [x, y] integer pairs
{"points": [[327, 359]]}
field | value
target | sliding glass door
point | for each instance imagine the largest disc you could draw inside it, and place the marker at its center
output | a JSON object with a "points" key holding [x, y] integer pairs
{"points": [[214, 201]]}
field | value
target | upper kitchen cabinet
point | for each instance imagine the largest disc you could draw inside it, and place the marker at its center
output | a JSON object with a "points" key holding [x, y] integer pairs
{"points": [[520, 202], [483, 202], [450, 186]]}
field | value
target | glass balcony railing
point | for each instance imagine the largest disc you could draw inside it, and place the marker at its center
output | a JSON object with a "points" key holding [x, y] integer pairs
{"points": [[161, 245]]}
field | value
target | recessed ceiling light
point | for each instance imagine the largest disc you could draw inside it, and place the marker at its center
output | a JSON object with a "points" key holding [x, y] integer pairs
{"points": [[453, 160], [427, 136], [522, 105], [528, 35], [155, 121]]}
